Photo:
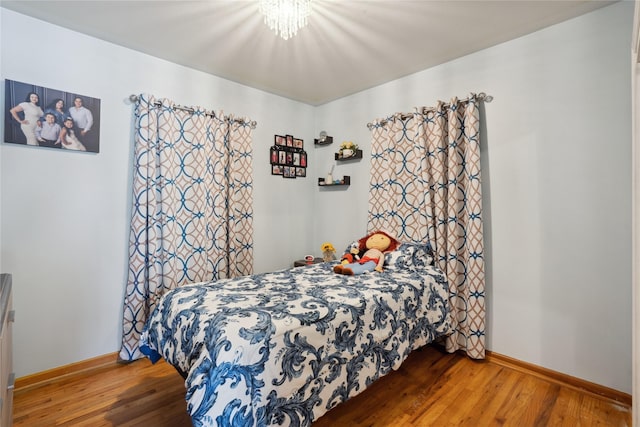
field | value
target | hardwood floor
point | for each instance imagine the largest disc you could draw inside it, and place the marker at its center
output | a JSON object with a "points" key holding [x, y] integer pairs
{"points": [[432, 388]]}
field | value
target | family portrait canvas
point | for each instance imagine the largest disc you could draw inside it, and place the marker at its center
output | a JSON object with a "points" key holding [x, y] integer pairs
{"points": [[44, 117]]}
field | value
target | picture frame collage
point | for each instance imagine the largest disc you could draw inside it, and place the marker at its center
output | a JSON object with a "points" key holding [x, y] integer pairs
{"points": [[288, 157]]}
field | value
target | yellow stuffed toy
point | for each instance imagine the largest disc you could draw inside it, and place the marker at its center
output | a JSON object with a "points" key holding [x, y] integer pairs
{"points": [[328, 252]]}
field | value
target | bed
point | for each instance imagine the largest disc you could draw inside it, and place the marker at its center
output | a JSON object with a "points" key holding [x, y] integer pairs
{"points": [[283, 348]]}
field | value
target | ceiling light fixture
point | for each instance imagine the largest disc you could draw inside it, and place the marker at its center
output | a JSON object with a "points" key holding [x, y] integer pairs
{"points": [[285, 17]]}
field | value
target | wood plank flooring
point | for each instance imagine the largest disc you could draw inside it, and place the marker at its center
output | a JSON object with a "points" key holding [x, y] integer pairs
{"points": [[432, 388]]}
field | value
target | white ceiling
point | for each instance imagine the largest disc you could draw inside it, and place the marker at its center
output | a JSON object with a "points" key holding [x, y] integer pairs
{"points": [[348, 46]]}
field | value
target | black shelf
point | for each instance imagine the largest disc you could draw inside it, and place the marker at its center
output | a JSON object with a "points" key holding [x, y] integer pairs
{"points": [[328, 140], [302, 263], [346, 181], [356, 156]]}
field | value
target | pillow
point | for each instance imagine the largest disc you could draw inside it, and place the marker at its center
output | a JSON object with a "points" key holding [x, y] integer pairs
{"points": [[410, 255]]}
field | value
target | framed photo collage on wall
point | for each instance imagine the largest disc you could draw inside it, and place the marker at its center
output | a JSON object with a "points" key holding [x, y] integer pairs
{"points": [[288, 157]]}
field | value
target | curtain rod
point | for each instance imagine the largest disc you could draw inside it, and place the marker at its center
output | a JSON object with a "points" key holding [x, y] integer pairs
{"points": [[481, 97], [252, 123]]}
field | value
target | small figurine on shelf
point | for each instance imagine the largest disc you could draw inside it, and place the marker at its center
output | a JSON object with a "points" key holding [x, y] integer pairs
{"points": [[329, 179], [328, 252], [347, 149]]}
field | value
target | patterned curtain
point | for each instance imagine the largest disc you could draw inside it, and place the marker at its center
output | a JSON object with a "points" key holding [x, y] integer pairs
{"points": [[425, 186], [192, 217]]}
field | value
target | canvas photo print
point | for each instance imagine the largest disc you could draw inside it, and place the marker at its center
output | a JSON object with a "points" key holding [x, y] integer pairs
{"points": [[44, 117]]}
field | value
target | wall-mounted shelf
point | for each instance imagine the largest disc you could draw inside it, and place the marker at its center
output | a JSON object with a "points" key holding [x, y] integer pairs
{"points": [[345, 181], [356, 156], [327, 140]]}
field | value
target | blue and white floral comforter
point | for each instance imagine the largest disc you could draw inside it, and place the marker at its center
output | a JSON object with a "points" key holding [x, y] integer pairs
{"points": [[283, 348]]}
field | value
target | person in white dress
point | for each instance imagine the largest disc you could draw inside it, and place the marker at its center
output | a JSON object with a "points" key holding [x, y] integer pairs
{"points": [[32, 113], [68, 137]]}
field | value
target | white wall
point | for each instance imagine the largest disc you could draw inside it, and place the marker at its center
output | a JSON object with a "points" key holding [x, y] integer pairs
{"points": [[65, 214], [556, 182], [556, 172], [635, 187]]}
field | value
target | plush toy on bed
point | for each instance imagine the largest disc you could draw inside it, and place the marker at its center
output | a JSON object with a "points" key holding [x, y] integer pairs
{"points": [[352, 254], [376, 245]]}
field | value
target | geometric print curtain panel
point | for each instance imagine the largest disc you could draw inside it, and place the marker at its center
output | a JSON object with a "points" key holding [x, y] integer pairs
{"points": [[425, 186], [192, 214]]}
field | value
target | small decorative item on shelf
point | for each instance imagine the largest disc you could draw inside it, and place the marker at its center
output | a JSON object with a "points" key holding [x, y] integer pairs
{"points": [[344, 181], [324, 139], [328, 252], [329, 178], [309, 259], [347, 149]]}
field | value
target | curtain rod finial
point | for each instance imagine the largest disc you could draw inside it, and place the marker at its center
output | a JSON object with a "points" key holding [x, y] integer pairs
{"points": [[484, 97]]}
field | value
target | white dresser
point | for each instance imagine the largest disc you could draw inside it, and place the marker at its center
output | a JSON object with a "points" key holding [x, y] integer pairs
{"points": [[7, 377]]}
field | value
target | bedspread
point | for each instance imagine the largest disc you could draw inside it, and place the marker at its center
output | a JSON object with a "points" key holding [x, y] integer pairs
{"points": [[283, 348]]}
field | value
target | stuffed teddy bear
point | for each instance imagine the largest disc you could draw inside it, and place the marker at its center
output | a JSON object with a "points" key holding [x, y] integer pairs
{"points": [[376, 245], [352, 254]]}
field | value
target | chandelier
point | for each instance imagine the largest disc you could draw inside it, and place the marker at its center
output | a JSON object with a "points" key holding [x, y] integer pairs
{"points": [[285, 17]]}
